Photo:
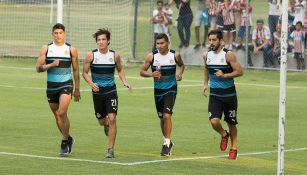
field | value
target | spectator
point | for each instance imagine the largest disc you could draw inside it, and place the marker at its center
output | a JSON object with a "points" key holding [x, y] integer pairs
{"points": [[276, 48], [274, 14], [219, 17], [212, 7], [261, 39], [246, 20], [299, 12], [169, 16], [298, 39], [237, 17], [305, 29], [201, 16], [159, 20], [229, 28], [291, 13], [184, 20]]}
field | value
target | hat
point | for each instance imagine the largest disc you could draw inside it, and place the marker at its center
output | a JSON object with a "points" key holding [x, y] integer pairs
{"points": [[259, 21]]}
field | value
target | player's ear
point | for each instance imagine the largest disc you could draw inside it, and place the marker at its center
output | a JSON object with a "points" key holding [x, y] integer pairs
{"points": [[108, 43]]}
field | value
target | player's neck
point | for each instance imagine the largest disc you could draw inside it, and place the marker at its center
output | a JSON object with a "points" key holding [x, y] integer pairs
{"points": [[163, 52], [218, 50], [58, 43], [104, 50]]}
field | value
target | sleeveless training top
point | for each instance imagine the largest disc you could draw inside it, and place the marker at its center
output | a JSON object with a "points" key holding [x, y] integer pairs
{"points": [[102, 71], [221, 87], [167, 65], [59, 77]]}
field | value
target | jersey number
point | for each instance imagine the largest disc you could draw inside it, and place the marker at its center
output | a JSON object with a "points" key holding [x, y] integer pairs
{"points": [[113, 102], [232, 113]]}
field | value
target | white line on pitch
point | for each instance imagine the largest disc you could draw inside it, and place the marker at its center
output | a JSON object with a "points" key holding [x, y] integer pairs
{"points": [[142, 162]]}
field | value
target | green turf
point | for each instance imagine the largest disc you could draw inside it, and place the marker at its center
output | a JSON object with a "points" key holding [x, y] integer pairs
{"points": [[27, 126]]}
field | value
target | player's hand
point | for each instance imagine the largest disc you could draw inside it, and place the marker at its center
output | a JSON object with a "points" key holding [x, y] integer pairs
{"points": [[128, 86], [219, 73], [77, 96], [178, 77], [95, 88], [55, 63], [205, 90], [156, 74]]}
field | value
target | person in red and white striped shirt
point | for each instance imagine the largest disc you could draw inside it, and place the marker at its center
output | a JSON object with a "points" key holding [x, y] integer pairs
{"points": [[229, 22], [262, 42], [298, 36]]}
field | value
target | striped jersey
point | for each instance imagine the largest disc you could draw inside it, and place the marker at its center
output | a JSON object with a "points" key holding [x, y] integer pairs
{"points": [[167, 65], [298, 40], [102, 71], [59, 77], [227, 13], [221, 87]]}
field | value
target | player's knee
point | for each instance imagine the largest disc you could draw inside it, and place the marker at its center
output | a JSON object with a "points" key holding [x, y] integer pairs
{"points": [[62, 113], [214, 121], [112, 120]]}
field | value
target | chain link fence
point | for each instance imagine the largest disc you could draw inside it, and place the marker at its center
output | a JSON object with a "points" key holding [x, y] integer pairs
{"points": [[26, 26]]}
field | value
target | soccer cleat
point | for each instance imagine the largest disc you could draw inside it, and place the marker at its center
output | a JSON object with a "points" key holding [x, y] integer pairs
{"points": [[164, 151], [110, 153], [106, 129], [224, 142], [233, 154], [64, 148], [71, 141], [167, 150]]}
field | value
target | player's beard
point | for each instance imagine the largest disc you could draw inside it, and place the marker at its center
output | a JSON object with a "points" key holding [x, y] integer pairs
{"points": [[214, 48]]}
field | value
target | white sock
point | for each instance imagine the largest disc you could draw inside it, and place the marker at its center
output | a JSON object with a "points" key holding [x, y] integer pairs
{"points": [[167, 142], [163, 140]]}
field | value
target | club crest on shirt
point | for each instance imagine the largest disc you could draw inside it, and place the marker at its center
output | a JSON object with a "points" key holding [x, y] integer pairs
{"points": [[208, 60], [66, 52], [111, 59], [222, 60], [171, 61]]}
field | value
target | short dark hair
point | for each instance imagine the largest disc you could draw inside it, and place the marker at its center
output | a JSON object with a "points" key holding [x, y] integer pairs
{"points": [[58, 26], [300, 23], [161, 36], [259, 21], [159, 1], [102, 31], [217, 32]]}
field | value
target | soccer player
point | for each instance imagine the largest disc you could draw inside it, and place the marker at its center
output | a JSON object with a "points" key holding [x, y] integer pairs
{"points": [[163, 65], [102, 63], [221, 66], [57, 58]]}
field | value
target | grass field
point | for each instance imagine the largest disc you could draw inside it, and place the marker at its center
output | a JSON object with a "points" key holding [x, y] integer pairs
{"points": [[30, 140]]}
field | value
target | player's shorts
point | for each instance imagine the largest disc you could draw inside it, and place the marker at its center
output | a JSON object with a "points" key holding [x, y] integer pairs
{"points": [[105, 104], [227, 105], [229, 28], [54, 95], [298, 56], [165, 103]]}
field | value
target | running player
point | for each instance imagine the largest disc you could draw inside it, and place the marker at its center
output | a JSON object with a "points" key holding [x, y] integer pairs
{"points": [[57, 58], [221, 66], [102, 63], [163, 65]]}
